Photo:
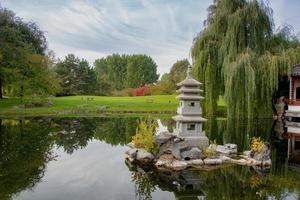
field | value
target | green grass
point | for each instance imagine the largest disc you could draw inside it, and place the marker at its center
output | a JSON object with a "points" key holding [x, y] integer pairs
{"points": [[79, 105]]}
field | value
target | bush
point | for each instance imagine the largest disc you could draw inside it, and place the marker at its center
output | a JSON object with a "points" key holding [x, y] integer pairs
{"points": [[123, 93], [160, 90], [141, 91], [211, 150], [144, 137], [257, 145]]}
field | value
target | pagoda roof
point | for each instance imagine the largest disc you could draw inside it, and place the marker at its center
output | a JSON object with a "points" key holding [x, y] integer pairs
{"points": [[296, 70], [189, 97], [189, 90], [189, 82], [181, 118]]}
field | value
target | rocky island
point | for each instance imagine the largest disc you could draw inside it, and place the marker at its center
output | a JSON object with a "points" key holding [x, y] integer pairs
{"points": [[188, 145]]}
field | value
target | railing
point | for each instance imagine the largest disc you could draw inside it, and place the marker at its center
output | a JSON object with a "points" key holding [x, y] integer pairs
{"points": [[294, 102]]}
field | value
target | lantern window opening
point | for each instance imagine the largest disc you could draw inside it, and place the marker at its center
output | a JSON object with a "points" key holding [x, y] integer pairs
{"points": [[191, 127]]}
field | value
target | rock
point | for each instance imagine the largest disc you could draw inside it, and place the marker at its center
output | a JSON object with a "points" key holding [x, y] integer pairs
{"points": [[247, 153], [231, 146], [178, 139], [132, 153], [261, 156], [130, 145], [164, 160], [197, 162], [174, 148], [163, 137], [212, 161], [192, 154], [225, 158], [267, 162], [240, 161], [144, 156], [178, 165], [169, 162], [227, 149]]}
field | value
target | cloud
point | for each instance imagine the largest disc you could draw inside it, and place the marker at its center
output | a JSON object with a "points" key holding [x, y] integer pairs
{"points": [[92, 29]]}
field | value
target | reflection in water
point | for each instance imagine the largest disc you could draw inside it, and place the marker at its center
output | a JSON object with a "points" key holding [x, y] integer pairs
{"points": [[227, 182], [28, 145]]}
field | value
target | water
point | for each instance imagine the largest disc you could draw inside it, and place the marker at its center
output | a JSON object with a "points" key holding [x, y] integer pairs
{"points": [[83, 158]]}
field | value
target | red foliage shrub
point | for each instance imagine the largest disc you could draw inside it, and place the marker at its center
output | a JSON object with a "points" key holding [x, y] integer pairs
{"points": [[141, 91]]}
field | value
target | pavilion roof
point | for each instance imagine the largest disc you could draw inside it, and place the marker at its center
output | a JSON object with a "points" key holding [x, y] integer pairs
{"points": [[189, 82], [296, 70]]}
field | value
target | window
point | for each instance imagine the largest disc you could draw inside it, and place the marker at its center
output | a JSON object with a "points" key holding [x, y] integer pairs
{"points": [[191, 104], [191, 127]]}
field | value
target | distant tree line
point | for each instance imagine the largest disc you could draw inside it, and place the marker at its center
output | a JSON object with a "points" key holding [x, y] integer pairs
{"points": [[117, 72], [29, 68]]}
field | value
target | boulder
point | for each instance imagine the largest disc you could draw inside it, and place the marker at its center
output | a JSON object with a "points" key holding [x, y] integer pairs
{"points": [[227, 150], [192, 154], [174, 148], [130, 145], [144, 156], [163, 137], [132, 153], [261, 156]]}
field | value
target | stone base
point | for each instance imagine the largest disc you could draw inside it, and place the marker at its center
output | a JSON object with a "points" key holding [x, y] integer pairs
{"points": [[197, 141]]}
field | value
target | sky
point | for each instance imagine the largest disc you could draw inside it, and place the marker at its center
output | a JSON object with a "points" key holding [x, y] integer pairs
{"points": [[162, 29]]}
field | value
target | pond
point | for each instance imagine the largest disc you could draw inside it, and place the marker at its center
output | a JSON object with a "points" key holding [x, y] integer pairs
{"points": [[83, 158]]}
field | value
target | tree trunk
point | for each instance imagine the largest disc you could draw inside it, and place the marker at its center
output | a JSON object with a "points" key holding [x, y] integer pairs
{"points": [[1, 94]]}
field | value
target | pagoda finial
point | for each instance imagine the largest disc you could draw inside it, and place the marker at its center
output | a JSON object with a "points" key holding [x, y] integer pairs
{"points": [[189, 72]]}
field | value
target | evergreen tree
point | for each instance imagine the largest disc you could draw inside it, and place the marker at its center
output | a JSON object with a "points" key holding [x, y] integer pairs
{"points": [[76, 76]]}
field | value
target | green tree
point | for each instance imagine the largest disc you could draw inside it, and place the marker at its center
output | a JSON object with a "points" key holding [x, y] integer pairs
{"points": [[116, 72], [20, 44], [101, 70], [239, 55], [76, 76], [141, 70], [178, 71]]}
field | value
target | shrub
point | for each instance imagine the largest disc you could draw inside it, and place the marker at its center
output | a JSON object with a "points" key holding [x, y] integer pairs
{"points": [[257, 145], [123, 93], [144, 137], [211, 150], [141, 91], [160, 90]]}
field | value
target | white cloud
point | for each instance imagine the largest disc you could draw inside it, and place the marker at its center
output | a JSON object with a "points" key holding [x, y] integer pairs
{"points": [[91, 29]]}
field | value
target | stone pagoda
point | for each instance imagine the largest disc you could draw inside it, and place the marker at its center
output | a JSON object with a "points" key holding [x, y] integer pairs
{"points": [[189, 118]]}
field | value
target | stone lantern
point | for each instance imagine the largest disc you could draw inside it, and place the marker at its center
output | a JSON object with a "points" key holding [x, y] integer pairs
{"points": [[189, 120]]}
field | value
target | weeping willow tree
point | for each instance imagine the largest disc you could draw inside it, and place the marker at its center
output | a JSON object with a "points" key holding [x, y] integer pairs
{"points": [[240, 55]]}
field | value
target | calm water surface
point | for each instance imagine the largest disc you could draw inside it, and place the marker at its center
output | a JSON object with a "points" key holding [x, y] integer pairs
{"points": [[83, 158]]}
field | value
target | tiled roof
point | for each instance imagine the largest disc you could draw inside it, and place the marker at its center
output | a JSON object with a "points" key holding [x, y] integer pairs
{"points": [[296, 70]]}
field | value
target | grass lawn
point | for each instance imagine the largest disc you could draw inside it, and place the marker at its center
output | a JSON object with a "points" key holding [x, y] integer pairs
{"points": [[159, 104]]}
